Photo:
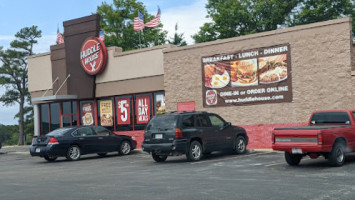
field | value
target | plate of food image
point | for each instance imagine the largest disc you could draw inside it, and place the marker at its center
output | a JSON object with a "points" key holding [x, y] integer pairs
{"points": [[216, 75], [272, 69], [244, 73]]}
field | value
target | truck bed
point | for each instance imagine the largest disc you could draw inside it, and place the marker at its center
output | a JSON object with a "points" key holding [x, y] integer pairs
{"points": [[312, 127]]}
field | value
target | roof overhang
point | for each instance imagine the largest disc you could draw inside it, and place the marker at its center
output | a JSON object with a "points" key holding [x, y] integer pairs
{"points": [[53, 98]]}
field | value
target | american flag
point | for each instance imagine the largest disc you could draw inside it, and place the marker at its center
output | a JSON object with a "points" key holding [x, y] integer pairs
{"points": [[102, 36], [138, 22], [155, 21], [60, 39]]}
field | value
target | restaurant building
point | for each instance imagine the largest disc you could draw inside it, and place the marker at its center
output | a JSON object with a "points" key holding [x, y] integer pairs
{"points": [[259, 81]]}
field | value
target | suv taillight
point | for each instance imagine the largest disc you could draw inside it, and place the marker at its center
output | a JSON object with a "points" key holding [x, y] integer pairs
{"points": [[178, 133], [320, 138], [33, 141], [52, 140]]}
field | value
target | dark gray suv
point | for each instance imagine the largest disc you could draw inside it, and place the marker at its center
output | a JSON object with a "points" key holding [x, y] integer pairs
{"points": [[193, 134]]}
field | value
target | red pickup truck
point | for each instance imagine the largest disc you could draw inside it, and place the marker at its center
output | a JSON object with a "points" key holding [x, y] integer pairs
{"points": [[330, 134]]}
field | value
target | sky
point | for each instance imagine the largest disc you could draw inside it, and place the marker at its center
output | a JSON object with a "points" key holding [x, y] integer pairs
{"points": [[48, 15]]}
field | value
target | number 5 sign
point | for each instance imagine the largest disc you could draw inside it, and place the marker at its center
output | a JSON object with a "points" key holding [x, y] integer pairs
{"points": [[123, 111]]}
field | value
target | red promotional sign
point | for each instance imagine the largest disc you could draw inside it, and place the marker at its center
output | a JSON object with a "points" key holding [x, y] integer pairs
{"points": [[88, 114], [93, 56], [123, 111], [143, 109]]}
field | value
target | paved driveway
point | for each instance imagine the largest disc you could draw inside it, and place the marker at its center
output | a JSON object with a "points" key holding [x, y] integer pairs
{"points": [[256, 175]]}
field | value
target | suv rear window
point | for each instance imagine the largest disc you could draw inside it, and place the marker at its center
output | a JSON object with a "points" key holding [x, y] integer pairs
{"points": [[330, 118], [162, 122]]}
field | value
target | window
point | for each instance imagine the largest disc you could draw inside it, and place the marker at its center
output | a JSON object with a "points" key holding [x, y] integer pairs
{"points": [[159, 103], [162, 122], [55, 116], [188, 121], [216, 121], [143, 111], [101, 131], [44, 119], [105, 113], [85, 131], [87, 113], [124, 114], [330, 118], [202, 121]]}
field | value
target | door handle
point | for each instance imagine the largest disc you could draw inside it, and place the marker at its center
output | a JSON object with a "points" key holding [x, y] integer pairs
{"points": [[100, 138], [81, 138]]}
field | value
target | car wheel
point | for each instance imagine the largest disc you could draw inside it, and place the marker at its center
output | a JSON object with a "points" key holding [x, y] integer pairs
{"points": [[159, 158], [50, 158], [292, 159], [125, 148], [195, 151], [337, 155], [73, 153], [240, 145], [102, 154]]}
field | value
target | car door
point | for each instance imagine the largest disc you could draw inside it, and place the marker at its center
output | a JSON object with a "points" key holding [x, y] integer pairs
{"points": [[107, 142], [221, 133], [87, 140], [207, 133]]}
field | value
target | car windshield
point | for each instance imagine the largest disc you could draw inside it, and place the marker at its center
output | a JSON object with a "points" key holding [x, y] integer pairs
{"points": [[58, 132], [330, 118], [162, 122]]}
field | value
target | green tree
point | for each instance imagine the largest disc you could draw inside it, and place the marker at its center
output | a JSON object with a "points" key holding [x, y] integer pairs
{"points": [[8, 134], [178, 38], [13, 74], [233, 18], [117, 22], [311, 11]]}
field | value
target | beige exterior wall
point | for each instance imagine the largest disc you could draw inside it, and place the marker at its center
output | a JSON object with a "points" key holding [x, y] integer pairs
{"points": [[133, 64], [320, 63], [39, 72]]}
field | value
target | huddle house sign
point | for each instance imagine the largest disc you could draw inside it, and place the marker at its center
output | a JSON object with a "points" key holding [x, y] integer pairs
{"points": [[93, 56]]}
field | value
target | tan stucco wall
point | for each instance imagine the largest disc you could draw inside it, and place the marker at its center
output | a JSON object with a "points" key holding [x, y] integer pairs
{"points": [[39, 72], [320, 63], [132, 64]]}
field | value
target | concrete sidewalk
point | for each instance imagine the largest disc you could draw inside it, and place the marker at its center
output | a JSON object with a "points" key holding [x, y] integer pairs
{"points": [[12, 149]]}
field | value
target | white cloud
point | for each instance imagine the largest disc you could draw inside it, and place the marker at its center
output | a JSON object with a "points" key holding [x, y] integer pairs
{"points": [[189, 19], [44, 43]]}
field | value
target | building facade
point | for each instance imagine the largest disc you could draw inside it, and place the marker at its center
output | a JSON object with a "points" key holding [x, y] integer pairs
{"points": [[260, 81]]}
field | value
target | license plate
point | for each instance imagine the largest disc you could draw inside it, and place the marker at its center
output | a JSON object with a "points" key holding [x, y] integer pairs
{"points": [[296, 151], [38, 150], [158, 136]]}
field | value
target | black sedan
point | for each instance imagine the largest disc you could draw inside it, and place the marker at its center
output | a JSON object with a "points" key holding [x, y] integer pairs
{"points": [[76, 141]]}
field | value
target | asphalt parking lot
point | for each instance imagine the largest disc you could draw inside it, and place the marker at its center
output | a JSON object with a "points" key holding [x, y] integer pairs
{"points": [[255, 175]]}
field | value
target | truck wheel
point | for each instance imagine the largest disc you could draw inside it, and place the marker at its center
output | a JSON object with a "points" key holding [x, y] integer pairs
{"points": [[292, 159], [337, 155], [158, 158], [240, 145], [195, 151]]}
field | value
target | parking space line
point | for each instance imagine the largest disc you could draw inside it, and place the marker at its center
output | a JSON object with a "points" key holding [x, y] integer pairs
{"points": [[230, 158]]}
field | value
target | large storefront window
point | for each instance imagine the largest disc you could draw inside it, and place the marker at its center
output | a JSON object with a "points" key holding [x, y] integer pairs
{"points": [[44, 119], [159, 103], [105, 113], [55, 123], [124, 114], [69, 117]]}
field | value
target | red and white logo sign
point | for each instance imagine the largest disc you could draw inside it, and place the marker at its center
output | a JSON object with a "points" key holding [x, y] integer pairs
{"points": [[143, 109], [93, 56], [211, 97], [123, 111]]}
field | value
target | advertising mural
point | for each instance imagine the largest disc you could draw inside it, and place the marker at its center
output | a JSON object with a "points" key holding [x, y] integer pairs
{"points": [[87, 114], [248, 77], [143, 109], [106, 117], [123, 111]]}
